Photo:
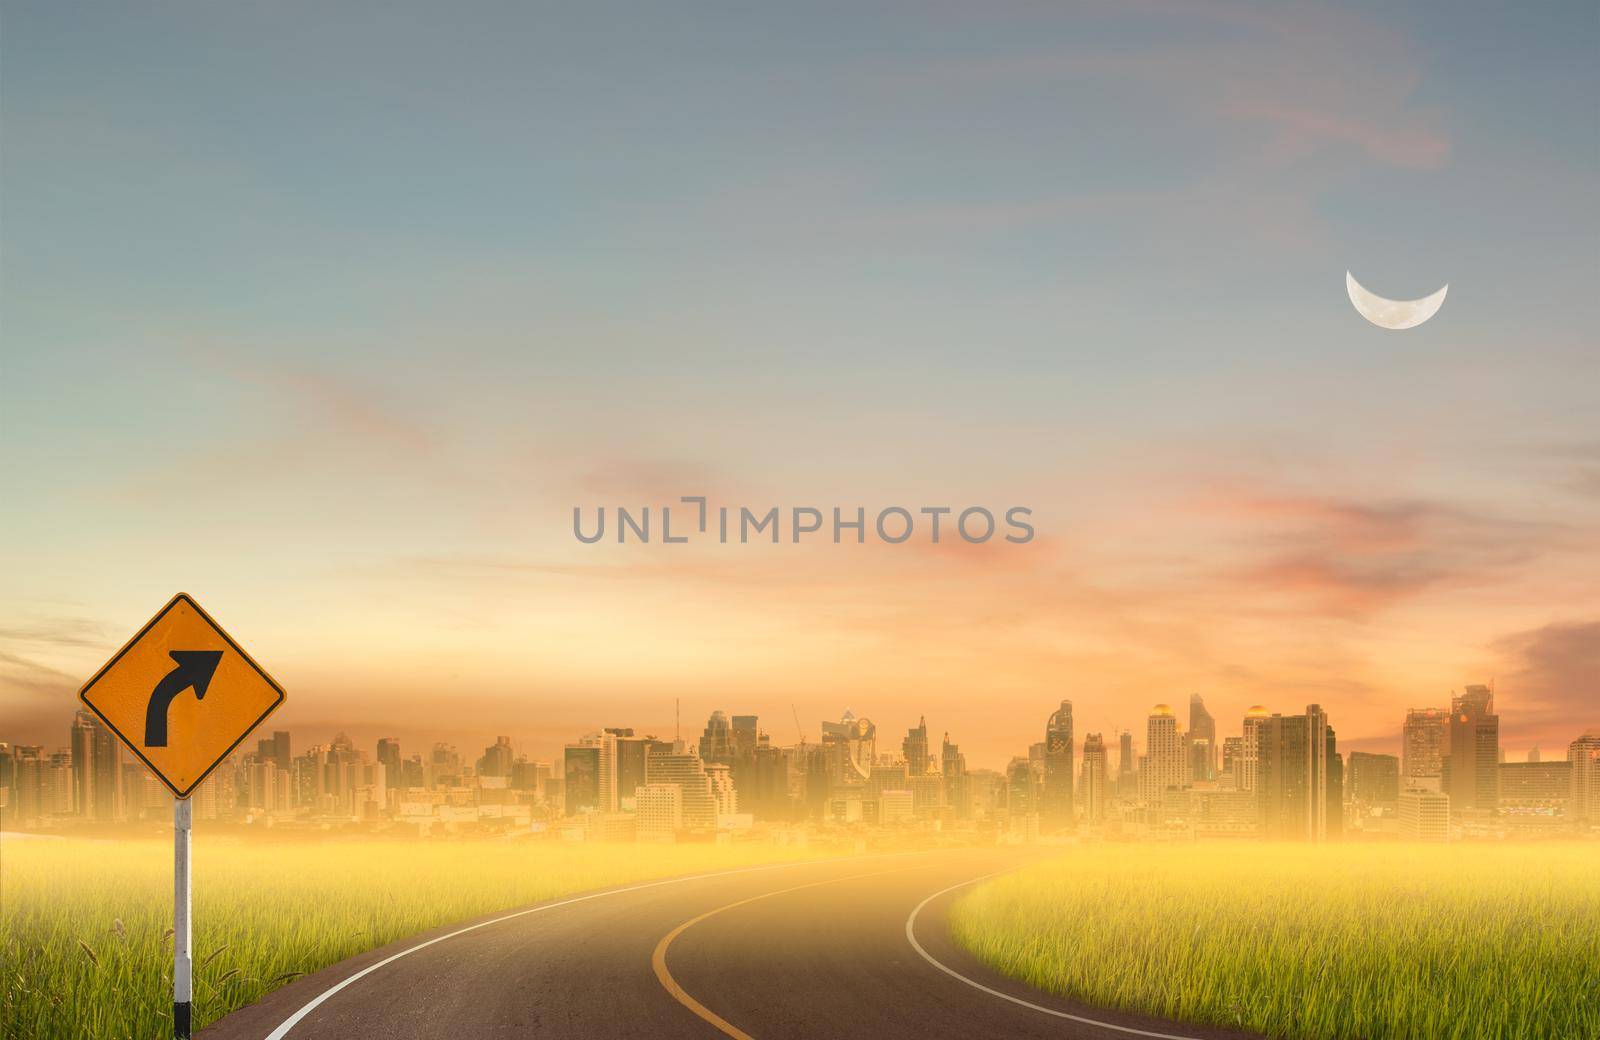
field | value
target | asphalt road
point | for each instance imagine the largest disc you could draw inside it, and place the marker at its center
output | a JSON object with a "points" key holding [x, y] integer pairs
{"points": [[851, 948]]}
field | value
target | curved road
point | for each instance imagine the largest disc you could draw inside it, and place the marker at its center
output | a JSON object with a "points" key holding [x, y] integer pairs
{"points": [[843, 948]]}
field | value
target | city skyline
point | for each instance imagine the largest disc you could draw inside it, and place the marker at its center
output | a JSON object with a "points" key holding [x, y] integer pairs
{"points": [[666, 719], [1283, 776]]}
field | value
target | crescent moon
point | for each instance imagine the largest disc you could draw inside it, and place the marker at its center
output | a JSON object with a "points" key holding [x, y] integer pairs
{"points": [[1392, 314]]}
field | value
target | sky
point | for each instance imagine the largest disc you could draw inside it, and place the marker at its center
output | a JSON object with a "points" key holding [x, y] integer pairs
{"points": [[330, 315]]}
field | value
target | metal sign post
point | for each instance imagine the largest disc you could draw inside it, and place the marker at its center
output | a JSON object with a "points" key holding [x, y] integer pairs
{"points": [[143, 696], [182, 958]]}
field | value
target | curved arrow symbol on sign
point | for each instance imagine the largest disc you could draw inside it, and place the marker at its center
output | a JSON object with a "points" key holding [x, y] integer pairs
{"points": [[195, 668]]}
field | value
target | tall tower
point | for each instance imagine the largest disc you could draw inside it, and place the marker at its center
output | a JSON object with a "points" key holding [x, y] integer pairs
{"points": [[1246, 769], [1472, 765], [1584, 755], [716, 743], [1058, 764], [1093, 789], [1426, 740], [915, 747], [1164, 762], [1202, 727], [957, 787], [96, 768], [1293, 782], [1127, 773], [83, 726]]}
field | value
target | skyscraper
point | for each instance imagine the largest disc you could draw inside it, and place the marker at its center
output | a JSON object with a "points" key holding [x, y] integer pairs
{"points": [[1127, 768], [1165, 765], [1426, 739], [632, 755], [1584, 756], [1202, 727], [957, 785], [1247, 768], [1093, 788], [1472, 774], [1232, 752], [1293, 782], [1057, 799], [388, 758], [745, 733], [281, 754], [716, 743], [580, 779], [915, 747], [83, 726], [699, 801], [590, 774], [96, 768], [850, 745], [497, 758]]}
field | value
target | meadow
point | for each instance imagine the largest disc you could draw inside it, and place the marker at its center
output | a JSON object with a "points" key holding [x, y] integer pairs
{"points": [[1335, 941], [85, 926]]}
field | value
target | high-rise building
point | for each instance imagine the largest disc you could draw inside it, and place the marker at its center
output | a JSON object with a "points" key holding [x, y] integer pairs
{"points": [[1058, 747], [581, 777], [1293, 782], [1200, 756], [716, 743], [1374, 781], [1583, 755], [96, 769], [1471, 770], [745, 734], [915, 747], [1127, 766], [632, 757], [83, 726], [388, 758], [281, 755], [689, 773], [1334, 791], [1232, 752], [957, 784], [1024, 786], [26, 776], [1165, 768], [1093, 787], [850, 746], [1426, 741], [444, 766], [497, 758], [1202, 727], [1247, 767]]}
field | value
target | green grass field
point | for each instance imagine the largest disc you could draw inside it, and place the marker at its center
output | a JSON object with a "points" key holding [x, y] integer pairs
{"points": [[85, 926], [1336, 941]]}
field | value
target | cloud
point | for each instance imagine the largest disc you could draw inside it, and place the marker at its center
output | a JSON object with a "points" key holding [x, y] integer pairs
{"points": [[1551, 690], [1352, 557]]}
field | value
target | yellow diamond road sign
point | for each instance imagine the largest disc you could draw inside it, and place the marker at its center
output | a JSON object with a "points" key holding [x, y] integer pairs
{"points": [[182, 694]]}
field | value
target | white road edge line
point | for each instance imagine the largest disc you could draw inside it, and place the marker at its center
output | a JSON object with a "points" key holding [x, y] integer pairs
{"points": [[315, 1002], [911, 937]]}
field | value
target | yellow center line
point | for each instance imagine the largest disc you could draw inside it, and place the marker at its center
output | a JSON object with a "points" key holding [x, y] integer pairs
{"points": [[658, 960]]}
